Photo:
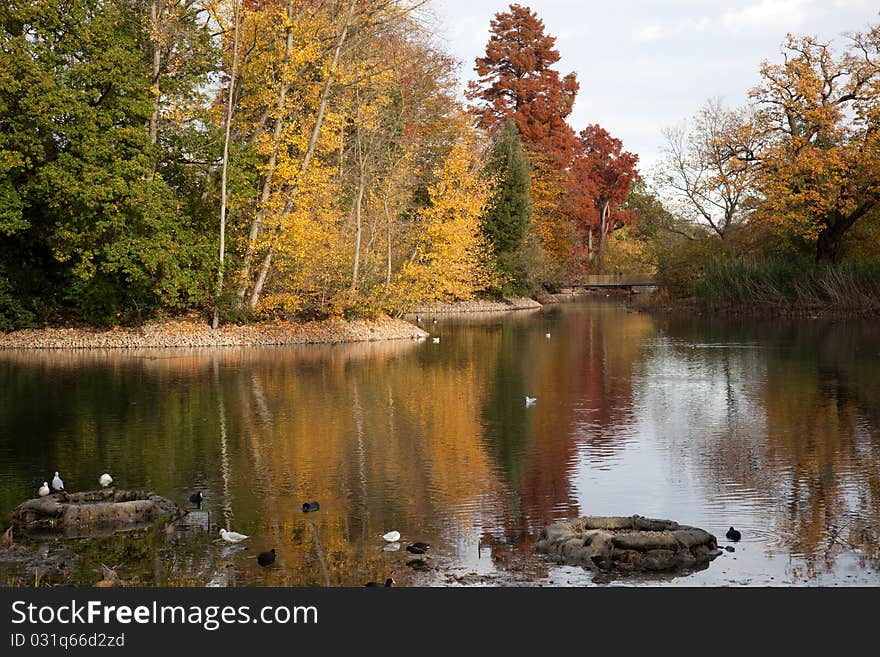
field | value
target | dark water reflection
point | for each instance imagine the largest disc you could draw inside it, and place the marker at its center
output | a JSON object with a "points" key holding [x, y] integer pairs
{"points": [[772, 426]]}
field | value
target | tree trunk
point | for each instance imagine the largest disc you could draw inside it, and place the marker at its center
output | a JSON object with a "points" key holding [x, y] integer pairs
{"points": [[316, 131], [223, 176], [358, 205], [357, 235], [387, 240], [603, 231], [157, 67], [829, 245]]}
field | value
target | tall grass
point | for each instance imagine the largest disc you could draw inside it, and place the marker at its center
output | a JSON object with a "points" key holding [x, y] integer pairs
{"points": [[779, 281]]}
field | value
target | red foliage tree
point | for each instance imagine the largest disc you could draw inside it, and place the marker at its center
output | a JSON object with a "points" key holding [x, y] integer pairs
{"points": [[517, 80], [602, 175]]}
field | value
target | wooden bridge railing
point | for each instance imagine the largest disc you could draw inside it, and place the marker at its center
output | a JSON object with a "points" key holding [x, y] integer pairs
{"points": [[615, 280]]}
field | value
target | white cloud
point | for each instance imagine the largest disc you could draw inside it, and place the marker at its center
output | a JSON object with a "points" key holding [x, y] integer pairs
{"points": [[768, 14], [657, 31]]}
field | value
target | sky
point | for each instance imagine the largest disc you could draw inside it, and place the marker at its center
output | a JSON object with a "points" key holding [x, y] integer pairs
{"points": [[646, 65]]}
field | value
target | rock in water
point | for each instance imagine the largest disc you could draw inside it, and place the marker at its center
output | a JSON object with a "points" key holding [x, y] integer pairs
{"points": [[626, 544]]}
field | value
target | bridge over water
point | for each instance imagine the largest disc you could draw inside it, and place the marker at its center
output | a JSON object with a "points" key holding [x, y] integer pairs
{"points": [[612, 280]]}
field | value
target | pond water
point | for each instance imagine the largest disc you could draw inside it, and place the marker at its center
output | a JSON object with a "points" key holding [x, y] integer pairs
{"points": [[772, 426]]}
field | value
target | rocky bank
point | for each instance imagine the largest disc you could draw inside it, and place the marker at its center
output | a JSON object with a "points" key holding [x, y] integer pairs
{"points": [[191, 333]]}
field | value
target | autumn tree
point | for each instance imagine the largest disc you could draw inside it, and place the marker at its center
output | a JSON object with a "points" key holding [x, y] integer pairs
{"points": [[452, 259], [820, 111], [507, 220], [602, 175], [517, 80], [709, 170]]}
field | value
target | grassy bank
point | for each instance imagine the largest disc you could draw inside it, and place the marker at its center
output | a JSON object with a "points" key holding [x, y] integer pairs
{"points": [[776, 286], [786, 283]]}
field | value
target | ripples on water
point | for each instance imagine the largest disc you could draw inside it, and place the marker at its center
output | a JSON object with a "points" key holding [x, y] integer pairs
{"points": [[768, 426]]}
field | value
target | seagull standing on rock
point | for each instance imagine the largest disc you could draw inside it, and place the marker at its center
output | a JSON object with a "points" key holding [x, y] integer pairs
{"points": [[105, 480], [57, 484], [44, 489]]}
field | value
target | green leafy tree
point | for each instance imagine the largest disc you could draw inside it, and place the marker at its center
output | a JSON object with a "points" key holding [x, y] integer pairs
{"points": [[507, 221], [85, 213]]}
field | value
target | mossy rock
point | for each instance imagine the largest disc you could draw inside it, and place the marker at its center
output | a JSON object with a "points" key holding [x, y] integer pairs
{"points": [[627, 544], [91, 512]]}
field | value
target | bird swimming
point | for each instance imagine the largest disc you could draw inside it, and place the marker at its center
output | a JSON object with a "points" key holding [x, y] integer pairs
{"points": [[196, 498], [733, 534], [418, 547], [44, 489], [57, 484], [388, 583], [530, 401], [231, 537], [266, 558], [105, 480], [436, 340], [310, 506], [392, 536], [547, 335]]}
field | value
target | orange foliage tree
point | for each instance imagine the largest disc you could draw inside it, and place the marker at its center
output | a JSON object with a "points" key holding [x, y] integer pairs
{"points": [[821, 113], [517, 80], [602, 175]]}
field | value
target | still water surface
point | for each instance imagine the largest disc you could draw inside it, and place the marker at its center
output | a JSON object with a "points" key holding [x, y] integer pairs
{"points": [[772, 426]]}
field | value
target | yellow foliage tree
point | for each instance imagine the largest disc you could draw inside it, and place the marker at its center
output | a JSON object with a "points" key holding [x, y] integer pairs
{"points": [[451, 259]]}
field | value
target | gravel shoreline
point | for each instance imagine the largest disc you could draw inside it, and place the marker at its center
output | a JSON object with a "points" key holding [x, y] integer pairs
{"points": [[478, 306], [190, 333]]}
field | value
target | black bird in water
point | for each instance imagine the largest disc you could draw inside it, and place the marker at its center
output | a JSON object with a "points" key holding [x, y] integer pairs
{"points": [[733, 534], [388, 583], [601, 562], [311, 506], [418, 548], [196, 498], [266, 558]]}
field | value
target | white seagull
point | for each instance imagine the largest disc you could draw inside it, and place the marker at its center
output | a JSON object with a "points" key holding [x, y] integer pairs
{"points": [[231, 537], [436, 340], [44, 489], [105, 480], [57, 484], [547, 335], [530, 401], [392, 537]]}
